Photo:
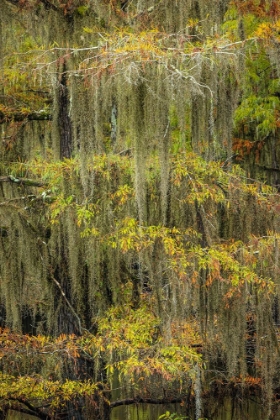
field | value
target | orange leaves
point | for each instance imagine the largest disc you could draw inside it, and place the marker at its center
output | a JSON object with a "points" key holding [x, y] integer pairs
{"points": [[34, 346], [242, 147], [247, 380], [32, 368], [260, 8], [184, 333], [260, 21], [245, 147]]}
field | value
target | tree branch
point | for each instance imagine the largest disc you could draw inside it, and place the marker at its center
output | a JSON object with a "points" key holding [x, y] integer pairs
{"points": [[31, 409], [68, 304], [268, 168], [139, 400], [18, 116], [22, 181]]}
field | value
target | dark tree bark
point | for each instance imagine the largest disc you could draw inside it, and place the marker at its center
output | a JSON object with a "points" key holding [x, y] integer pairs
{"points": [[139, 400], [64, 121], [22, 406], [18, 116]]}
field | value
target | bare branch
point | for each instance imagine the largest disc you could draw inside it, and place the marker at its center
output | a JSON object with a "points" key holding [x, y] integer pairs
{"points": [[68, 304], [32, 410], [18, 116], [22, 181], [140, 400]]}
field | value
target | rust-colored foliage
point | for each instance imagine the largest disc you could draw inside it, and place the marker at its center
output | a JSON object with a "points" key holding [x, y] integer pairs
{"points": [[244, 148], [261, 8]]}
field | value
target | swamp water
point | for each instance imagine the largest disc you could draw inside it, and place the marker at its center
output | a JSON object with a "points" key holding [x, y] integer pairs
{"points": [[230, 410], [249, 409]]}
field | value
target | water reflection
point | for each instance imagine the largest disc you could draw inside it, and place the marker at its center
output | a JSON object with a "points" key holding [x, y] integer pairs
{"points": [[141, 412], [230, 409], [14, 415]]}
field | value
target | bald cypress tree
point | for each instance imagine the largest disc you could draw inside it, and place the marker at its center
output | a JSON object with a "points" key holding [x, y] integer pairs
{"points": [[139, 186]]}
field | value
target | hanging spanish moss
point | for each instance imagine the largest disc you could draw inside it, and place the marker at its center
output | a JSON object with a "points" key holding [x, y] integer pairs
{"points": [[118, 189]]}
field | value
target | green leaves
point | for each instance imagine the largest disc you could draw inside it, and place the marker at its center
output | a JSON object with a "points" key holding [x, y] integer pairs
{"points": [[259, 115], [172, 416]]}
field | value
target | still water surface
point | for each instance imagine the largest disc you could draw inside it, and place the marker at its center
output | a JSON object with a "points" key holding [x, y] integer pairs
{"points": [[248, 410]]}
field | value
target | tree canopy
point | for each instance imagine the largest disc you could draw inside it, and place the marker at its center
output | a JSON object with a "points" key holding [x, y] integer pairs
{"points": [[139, 203]]}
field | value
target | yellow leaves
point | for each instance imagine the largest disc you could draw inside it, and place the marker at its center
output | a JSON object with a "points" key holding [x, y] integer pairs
{"points": [[82, 10], [264, 30], [127, 235], [268, 30], [123, 194], [199, 179], [128, 328], [144, 44], [259, 19], [88, 30], [170, 360], [40, 391], [35, 353], [59, 206], [140, 348], [235, 265], [85, 218], [192, 23]]}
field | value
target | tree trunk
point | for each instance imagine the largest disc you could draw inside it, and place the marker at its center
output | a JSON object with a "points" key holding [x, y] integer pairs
{"points": [[65, 126]]}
